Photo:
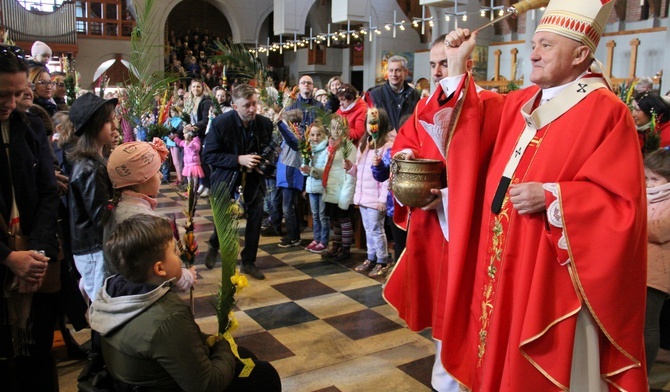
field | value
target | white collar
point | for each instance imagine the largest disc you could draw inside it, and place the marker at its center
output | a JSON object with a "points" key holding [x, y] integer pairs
{"points": [[550, 93]]}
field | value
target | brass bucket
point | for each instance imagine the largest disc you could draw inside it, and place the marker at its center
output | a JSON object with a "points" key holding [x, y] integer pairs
{"points": [[412, 180]]}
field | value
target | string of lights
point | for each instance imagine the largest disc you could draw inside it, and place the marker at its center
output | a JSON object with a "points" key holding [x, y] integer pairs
{"points": [[370, 31]]}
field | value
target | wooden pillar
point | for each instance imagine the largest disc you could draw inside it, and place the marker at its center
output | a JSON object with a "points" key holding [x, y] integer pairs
{"points": [[496, 67], [610, 58], [514, 52], [634, 43]]}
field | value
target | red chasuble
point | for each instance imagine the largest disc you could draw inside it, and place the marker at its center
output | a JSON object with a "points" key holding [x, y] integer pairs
{"points": [[532, 278], [417, 287]]}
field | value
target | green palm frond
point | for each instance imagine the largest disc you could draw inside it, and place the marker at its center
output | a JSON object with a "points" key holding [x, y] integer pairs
{"points": [[226, 229], [240, 62], [322, 115], [145, 84]]}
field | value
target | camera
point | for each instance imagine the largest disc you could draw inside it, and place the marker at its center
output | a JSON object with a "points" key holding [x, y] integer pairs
{"points": [[269, 155]]}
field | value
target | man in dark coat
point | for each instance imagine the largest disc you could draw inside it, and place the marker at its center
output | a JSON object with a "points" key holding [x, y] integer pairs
{"points": [[232, 148], [396, 96]]}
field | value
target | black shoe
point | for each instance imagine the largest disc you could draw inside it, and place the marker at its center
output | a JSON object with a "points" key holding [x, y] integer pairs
{"points": [[270, 232], [331, 253], [211, 257], [343, 255], [74, 350], [251, 270], [94, 365], [287, 243]]}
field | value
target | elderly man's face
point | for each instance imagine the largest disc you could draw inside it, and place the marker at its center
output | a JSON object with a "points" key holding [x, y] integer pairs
{"points": [[396, 74], [438, 63], [553, 59], [306, 86]]}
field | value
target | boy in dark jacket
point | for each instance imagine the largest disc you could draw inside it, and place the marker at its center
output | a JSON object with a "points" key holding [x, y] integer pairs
{"points": [[149, 336]]}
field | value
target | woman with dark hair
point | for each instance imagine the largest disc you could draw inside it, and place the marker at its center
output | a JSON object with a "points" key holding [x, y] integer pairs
{"points": [[645, 106], [354, 109], [43, 89]]}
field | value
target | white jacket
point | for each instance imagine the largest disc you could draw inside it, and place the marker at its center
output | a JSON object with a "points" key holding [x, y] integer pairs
{"points": [[341, 185]]}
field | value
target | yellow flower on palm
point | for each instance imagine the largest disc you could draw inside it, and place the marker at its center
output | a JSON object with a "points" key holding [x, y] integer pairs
{"points": [[239, 281]]}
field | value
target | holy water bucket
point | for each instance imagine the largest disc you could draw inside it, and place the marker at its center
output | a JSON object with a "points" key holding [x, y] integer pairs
{"points": [[412, 180]]}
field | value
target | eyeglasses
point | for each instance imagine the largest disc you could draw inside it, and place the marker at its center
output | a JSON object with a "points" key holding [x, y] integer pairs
{"points": [[44, 83], [59, 84], [306, 82]]}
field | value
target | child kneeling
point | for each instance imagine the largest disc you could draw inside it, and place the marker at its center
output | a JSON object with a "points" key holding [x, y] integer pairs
{"points": [[149, 336]]}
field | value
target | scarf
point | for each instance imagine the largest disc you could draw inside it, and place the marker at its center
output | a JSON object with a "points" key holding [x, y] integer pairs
{"points": [[658, 193], [317, 148], [332, 150]]}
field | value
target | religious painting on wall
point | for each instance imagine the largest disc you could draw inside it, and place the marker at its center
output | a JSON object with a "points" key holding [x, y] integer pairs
{"points": [[480, 62], [386, 55]]}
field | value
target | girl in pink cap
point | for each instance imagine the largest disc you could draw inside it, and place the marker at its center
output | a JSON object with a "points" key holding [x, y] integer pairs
{"points": [[134, 170]]}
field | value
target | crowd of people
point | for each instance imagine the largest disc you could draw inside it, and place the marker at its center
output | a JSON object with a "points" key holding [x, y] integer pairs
{"points": [[534, 277]]}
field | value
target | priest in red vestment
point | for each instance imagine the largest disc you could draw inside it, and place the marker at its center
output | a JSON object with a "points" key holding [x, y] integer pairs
{"points": [[418, 281], [556, 292]]}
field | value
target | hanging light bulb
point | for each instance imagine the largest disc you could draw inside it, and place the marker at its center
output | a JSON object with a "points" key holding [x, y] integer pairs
{"points": [[430, 23], [501, 12], [415, 23], [465, 18], [402, 27], [363, 31], [482, 13], [447, 18], [388, 27], [355, 35], [378, 32]]}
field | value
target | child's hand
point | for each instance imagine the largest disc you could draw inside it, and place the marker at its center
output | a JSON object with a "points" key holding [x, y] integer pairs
{"points": [[305, 169], [381, 207], [376, 160], [195, 275], [347, 164]]}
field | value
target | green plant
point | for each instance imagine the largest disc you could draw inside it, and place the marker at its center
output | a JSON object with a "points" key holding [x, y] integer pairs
{"points": [[241, 63], [144, 84]]}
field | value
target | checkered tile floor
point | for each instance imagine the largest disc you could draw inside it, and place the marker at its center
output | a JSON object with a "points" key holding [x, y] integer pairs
{"points": [[323, 326]]}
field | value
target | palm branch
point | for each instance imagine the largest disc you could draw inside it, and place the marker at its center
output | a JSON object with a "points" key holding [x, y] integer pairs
{"points": [[240, 62], [226, 228], [324, 116], [144, 83]]}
